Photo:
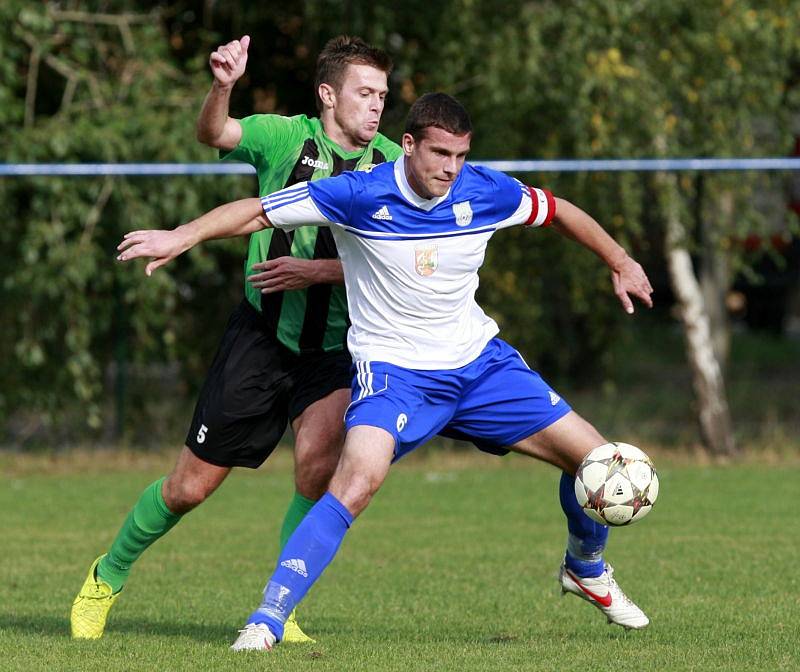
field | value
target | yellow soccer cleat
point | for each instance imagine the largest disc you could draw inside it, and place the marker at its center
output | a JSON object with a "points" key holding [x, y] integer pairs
{"points": [[292, 634], [90, 608]]}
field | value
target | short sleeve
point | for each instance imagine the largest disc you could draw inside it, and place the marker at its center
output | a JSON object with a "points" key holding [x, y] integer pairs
{"points": [[265, 139], [528, 206], [334, 196], [292, 207], [319, 203]]}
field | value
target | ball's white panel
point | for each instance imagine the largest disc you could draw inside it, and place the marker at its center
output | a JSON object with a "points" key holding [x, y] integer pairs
{"points": [[594, 475], [603, 452], [618, 489], [580, 492], [652, 493], [630, 452], [595, 516], [641, 513], [618, 514], [640, 474]]}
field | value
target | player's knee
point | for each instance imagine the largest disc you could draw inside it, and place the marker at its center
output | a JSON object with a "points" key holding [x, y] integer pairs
{"points": [[311, 480], [314, 469], [357, 492], [313, 473], [182, 495], [318, 445]]}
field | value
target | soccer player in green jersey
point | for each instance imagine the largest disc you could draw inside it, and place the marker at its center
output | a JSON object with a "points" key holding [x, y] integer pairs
{"points": [[283, 357]]}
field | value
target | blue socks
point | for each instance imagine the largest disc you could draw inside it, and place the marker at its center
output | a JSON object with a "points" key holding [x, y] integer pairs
{"points": [[314, 543], [305, 556], [587, 539]]}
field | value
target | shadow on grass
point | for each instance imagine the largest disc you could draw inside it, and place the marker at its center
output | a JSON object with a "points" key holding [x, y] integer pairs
{"points": [[43, 624], [324, 630]]}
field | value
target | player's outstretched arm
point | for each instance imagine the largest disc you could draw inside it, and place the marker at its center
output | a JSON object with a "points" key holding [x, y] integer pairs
{"points": [[627, 275], [239, 218], [214, 127]]}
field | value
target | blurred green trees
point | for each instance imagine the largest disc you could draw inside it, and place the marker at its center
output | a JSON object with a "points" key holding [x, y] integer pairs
{"points": [[111, 81], [98, 87]]}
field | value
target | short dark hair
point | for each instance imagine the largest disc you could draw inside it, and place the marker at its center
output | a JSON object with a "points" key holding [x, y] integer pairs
{"points": [[344, 50], [439, 110]]}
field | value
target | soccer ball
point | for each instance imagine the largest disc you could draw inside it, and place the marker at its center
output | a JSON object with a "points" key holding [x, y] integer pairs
{"points": [[616, 484]]}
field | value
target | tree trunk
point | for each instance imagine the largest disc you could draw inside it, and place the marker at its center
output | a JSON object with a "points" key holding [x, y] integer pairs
{"points": [[708, 381], [715, 273]]}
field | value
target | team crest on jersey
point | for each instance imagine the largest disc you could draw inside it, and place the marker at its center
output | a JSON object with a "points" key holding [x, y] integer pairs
{"points": [[463, 213], [426, 259]]}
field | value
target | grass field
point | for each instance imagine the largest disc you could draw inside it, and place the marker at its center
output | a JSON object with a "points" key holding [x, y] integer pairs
{"points": [[452, 568]]}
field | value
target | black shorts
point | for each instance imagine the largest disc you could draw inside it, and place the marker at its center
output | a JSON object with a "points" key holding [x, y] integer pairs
{"points": [[254, 388]]}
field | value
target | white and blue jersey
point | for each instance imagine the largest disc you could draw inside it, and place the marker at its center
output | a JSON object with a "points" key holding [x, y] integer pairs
{"points": [[426, 360], [411, 264]]}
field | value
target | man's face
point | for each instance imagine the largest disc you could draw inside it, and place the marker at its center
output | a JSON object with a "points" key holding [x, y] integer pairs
{"points": [[433, 163], [359, 103]]}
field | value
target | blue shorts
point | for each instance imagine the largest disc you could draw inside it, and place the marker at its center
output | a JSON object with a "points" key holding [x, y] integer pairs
{"points": [[494, 401]]}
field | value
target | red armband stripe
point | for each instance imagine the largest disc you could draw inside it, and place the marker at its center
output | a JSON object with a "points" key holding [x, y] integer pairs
{"points": [[543, 207]]}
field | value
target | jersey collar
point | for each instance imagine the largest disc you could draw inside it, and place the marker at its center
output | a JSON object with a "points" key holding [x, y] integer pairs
{"points": [[337, 148], [409, 194]]}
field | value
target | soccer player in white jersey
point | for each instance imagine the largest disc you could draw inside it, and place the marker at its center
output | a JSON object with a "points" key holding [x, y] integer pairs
{"points": [[412, 237]]}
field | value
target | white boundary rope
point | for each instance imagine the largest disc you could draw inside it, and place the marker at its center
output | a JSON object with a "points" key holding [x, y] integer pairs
{"points": [[515, 166]]}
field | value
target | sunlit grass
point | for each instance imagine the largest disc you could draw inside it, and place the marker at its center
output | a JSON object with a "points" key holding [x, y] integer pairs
{"points": [[452, 568]]}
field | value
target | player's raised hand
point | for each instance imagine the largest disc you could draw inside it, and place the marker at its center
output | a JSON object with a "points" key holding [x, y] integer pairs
{"points": [[159, 245], [228, 62], [278, 275], [629, 280]]}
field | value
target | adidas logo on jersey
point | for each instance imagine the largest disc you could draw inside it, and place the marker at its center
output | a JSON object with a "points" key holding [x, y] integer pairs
{"points": [[383, 213], [314, 163], [296, 566], [554, 398]]}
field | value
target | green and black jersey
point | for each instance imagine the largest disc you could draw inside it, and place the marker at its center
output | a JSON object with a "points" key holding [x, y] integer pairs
{"points": [[284, 151]]}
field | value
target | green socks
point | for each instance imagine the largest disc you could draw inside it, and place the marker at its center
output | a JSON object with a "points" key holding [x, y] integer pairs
{"points": [[298, 508], [150, 519]]}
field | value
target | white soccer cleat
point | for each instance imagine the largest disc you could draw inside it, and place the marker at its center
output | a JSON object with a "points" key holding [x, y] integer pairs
{"points": [[605, 594], [254, 637]]}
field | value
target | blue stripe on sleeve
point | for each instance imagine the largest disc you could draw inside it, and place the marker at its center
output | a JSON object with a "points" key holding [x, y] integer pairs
{"points": [[269, 205]]}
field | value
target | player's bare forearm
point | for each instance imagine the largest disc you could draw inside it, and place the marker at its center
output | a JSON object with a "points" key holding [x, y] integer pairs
{"points": [[328, 272], [238, 218], [627, 275], [574, 223], [214, 127], [286, 273]]}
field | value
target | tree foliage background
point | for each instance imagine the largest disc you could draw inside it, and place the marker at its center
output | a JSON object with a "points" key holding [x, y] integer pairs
{"points": [[84, 339]]}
